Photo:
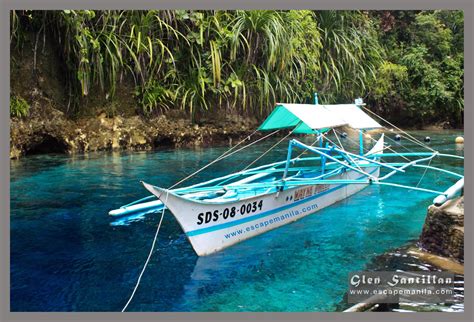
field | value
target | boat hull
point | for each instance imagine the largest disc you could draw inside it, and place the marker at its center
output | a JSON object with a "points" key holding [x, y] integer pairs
{"points": [[213, 226]]}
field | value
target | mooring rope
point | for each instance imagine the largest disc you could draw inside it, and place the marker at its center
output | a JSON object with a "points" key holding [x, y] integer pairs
{"points": [[388, 147], [426, 169], [401, 145], [271, 148], [312, 144], [342, 147], [152, 248], [413, 139], [353, 161], [222, 157]]}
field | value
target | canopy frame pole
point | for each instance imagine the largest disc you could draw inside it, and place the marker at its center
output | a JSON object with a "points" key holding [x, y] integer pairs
{"points": [[324, 160], [361, 142], [317, 150], [288, 159]]}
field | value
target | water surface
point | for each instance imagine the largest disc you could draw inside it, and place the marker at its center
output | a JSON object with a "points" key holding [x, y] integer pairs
{"points": [[67, 254]]}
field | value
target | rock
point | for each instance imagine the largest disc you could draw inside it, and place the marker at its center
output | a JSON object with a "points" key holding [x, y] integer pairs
{"points": [[49, 130], [115, 143], [444, 263], [138, 139], [15, 153], [443, 231]]}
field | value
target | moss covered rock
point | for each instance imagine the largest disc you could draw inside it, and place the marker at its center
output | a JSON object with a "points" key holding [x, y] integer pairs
{"points": [[443, 231]]}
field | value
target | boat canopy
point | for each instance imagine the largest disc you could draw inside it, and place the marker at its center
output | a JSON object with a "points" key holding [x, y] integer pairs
{"points": [[312, 118]]}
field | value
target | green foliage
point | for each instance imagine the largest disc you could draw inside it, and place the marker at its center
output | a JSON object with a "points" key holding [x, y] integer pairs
{"points": [[391, 81], [350, 53], [18, 107], [422, 77], [246, 60]]}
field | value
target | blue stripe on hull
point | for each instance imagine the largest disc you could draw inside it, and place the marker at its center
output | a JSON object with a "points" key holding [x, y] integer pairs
{"points": [[266, 213]]}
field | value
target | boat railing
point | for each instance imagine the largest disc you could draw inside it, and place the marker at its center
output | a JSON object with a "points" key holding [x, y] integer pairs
{"points": [[340, 158]]}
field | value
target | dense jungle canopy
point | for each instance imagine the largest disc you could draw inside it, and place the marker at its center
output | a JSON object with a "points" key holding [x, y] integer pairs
{"points": [[407, 65]]}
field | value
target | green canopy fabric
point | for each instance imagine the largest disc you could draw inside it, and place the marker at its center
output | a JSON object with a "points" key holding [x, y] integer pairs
{"points": [[314, 118]]}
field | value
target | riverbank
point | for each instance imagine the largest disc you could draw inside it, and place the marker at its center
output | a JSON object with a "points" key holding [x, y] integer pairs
{"points": [[48, 130], [51, 122]]}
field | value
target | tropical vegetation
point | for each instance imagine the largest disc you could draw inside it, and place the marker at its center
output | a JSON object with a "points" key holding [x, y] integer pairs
{"points": [[19, 107], [407, 64]]}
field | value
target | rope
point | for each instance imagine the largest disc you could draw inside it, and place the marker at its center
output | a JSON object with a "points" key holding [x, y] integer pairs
{"points": [[353, 161], [312, 144], [389, 148], [342, 148], [152, 248], [414, 140], [222, 157], [426, 169], [271, 148], [404, 147], [148, 258], [386, 147]]}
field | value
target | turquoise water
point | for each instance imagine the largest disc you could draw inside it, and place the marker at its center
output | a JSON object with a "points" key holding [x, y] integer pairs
{"points": [[67, 254]]}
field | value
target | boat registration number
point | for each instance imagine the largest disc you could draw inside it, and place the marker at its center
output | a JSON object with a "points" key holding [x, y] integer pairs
{"points": [[229, 212]]}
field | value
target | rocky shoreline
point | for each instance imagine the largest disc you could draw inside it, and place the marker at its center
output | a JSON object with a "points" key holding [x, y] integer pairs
{"points": [[48, 130], [439, 248]]}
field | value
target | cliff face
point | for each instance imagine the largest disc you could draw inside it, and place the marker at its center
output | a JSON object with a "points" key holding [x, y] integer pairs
{"points": [[48, 130], [443, 231], [104, 123]]}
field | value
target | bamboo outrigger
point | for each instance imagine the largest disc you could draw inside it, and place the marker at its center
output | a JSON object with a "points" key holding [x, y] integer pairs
{"points": [[224, 211]]}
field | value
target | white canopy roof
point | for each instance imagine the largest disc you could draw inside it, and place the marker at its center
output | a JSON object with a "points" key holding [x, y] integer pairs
{"points": [[353, 115], [313, 117]]}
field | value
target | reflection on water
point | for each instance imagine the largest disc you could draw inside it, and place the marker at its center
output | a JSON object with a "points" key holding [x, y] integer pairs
{"points": [[67, 254]]}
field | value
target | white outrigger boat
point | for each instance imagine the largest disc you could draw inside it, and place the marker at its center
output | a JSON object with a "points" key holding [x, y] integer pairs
{"points": [[224, 211]]}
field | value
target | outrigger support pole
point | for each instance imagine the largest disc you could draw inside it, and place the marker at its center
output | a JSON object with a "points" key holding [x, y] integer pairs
{"points": [[317, 150], [388, 175], [449, 193], [409, 187], [370, 160]]}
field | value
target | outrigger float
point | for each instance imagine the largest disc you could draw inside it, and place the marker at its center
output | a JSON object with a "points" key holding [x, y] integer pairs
{"points": [[227, 210]]}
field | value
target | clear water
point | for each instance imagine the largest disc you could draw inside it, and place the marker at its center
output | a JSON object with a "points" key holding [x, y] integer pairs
{"points": [[67, 254]]}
